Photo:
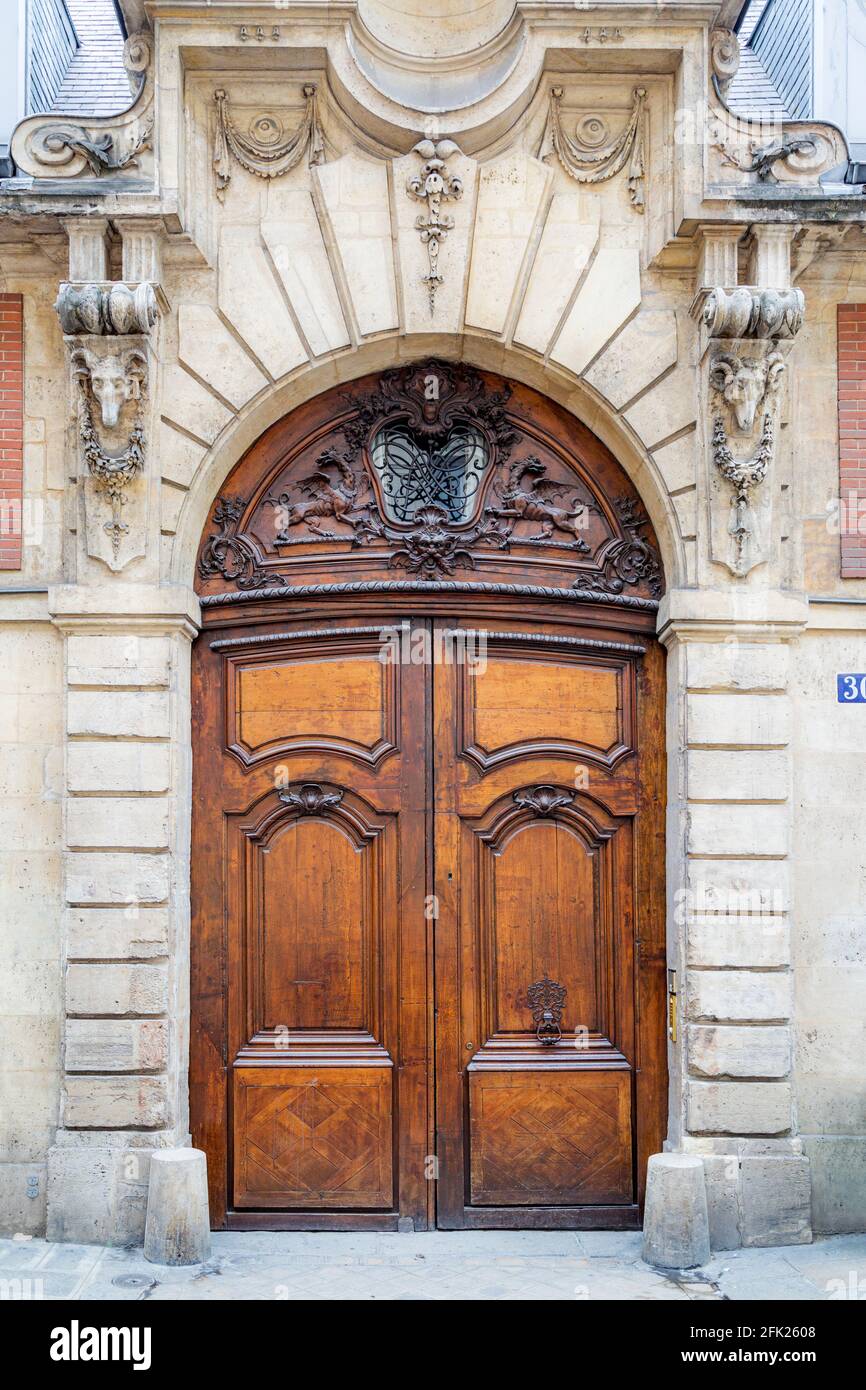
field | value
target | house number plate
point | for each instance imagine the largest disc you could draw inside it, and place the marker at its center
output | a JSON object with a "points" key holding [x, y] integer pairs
{"points": [[851, 688]]}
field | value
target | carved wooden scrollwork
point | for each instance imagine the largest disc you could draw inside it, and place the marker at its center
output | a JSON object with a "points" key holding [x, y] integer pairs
{"points": [[630, 560], [431, 469], [231, 555], [542, 800], [310, 799]]}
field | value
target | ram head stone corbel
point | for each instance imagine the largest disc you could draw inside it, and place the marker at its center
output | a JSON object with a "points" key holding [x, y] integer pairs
{"points": [[109, 380], [745, 393], [114, 379], [744, 382]]}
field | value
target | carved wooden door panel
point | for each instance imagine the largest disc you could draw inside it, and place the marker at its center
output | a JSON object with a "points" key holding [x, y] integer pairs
{"points": [[336, 794], [536, 792], [310, 836]]}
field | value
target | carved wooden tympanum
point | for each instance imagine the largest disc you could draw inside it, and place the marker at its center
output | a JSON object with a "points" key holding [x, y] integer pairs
{"points": [[431, 472]]}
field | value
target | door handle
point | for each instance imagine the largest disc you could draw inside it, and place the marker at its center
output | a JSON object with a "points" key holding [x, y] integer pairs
{"points": [[546, 999]]}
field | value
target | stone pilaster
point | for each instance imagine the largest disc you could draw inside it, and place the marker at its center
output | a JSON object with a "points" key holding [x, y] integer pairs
{"points": [[126, 915], [729, 900]]}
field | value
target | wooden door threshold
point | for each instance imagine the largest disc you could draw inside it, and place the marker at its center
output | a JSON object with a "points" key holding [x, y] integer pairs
{"points": [[601, 1218], [311, 1221]]}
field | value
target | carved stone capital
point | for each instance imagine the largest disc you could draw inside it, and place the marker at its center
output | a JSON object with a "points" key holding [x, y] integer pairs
{"points": [[107, 309], [747, 311]]}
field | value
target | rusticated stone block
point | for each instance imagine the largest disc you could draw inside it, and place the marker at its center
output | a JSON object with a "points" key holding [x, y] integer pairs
{"points": [[112, 933], [116, 989], [739, 1107], [735, 995], [775, 1200], [116, 1102], [116, 1044], [733, 1051]]}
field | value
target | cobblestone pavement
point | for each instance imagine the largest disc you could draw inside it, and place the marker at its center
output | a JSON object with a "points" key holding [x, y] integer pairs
{"points": [[441, 1265]]}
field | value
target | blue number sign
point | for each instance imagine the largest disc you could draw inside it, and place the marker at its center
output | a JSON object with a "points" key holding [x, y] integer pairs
{"points": [[851, 688]]}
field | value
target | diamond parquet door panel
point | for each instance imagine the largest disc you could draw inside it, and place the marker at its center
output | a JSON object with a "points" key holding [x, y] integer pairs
{"points": [[537, 1138], [313, 1137]]}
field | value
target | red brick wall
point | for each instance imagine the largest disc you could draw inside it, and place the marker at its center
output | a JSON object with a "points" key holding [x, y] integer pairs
{"points": [[11, 429], [851, 340]]}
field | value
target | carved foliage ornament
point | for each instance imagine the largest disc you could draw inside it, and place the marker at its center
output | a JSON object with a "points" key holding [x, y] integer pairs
{"points": [[310, 799], [433, 185], [265, 150], [594, 165], [761, 159], [543, 800]]}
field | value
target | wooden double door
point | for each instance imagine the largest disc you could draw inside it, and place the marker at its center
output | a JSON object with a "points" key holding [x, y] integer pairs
{"points": [[428, 982]]}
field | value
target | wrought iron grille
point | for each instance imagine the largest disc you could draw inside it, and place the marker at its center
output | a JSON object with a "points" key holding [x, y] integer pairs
{"points": [[416, 472]]}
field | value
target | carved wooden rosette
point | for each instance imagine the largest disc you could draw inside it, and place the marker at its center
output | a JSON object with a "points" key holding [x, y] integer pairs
{"points": [[431, 474]]}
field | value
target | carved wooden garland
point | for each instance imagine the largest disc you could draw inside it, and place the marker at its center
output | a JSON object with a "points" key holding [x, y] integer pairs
{"points": [[345, 500]]}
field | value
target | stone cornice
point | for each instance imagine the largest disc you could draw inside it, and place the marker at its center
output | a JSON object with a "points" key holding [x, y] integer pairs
{"points": [[142, 608]]}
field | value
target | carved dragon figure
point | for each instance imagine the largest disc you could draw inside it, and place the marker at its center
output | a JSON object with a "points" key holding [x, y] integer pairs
{"points": [[534, 501], [334, 490]]}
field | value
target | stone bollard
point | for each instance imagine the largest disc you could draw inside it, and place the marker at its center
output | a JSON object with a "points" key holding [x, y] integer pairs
{"points": [[177, 1229], [676, 1231]]}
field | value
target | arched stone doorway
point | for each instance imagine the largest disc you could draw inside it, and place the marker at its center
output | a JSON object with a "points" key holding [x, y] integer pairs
{"points": [[428, 831]]}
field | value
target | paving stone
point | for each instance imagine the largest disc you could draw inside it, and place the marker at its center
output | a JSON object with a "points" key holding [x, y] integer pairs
{"points": [[517, 1266]]}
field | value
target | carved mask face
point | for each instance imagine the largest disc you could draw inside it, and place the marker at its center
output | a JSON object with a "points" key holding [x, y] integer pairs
{"points": [[112, 385]]}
